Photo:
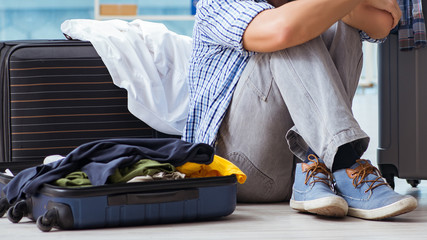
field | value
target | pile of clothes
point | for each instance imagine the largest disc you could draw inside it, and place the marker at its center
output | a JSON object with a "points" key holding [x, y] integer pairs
{"points": [[122, 160]]}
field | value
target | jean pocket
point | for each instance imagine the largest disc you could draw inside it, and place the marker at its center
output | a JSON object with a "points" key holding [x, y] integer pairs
{"points": [[258, 75], [258, 185]]}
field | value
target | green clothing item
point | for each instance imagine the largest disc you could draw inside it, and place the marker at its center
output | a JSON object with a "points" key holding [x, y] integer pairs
{"points": [[74, 179], [144, 167]]}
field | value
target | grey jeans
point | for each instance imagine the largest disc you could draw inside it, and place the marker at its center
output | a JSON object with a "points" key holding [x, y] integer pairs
{"points": [[288, 101]]}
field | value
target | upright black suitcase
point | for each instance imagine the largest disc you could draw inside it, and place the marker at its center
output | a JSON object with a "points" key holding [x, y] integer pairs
{"points": [[57, 95], [402, 112]]}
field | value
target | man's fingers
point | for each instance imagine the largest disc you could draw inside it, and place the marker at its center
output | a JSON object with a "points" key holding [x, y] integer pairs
{"points": [[397, 15]]}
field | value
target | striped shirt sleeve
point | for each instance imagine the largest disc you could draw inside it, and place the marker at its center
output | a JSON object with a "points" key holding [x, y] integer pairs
{"points": [[224, 22]]}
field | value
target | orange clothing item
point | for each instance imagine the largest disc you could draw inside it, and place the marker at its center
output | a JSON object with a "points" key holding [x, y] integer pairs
{"points": [[218, 167]]}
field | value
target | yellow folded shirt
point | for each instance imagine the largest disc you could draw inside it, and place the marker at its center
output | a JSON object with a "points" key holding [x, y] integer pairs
{"points": [[218, 167]]}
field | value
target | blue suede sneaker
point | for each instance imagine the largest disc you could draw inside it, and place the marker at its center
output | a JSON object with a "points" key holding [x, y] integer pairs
{"points": [[313, 190], [368, 195]]}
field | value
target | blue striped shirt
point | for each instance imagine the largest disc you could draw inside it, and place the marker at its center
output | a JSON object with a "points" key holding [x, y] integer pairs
{"points": [[217, 61]]}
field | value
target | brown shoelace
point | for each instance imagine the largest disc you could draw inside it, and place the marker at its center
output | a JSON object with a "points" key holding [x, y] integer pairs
{"points": [[317, 167], [362, 171]]}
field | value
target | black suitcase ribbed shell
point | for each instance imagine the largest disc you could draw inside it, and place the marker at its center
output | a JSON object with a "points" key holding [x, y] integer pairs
{"points": [[57, 95]]}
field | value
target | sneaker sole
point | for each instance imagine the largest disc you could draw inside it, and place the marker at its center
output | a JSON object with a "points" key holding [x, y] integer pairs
{"points": [[329, 206], [400, 207]]}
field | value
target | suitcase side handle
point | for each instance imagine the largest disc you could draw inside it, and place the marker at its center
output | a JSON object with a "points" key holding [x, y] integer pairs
{"points": [[153, 197]]}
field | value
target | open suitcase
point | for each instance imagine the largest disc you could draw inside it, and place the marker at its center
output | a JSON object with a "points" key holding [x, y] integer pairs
{"points": [[58, 95], [402, 111], [4, 204], [127, 204]]}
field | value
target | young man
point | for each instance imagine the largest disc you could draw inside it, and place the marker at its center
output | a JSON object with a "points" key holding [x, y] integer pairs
{"points": [[270, 80]]}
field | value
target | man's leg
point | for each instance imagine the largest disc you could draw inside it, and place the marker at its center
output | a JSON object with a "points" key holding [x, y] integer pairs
{"points": [[345, 50], [318, 94], [252, 135], [329, 110], [318, 90], [349, 70], [318, 81]]}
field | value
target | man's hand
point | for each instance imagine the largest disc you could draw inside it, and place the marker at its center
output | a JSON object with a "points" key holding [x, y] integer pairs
{"points": [[376, 17], [390, 6]]}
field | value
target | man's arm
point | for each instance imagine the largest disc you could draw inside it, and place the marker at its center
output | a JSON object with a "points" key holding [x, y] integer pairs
{"points": [[375, 19], [294, 23]]}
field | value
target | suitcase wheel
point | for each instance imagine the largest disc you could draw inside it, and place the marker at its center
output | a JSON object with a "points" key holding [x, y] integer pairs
{"points": [[17, 212], [4, 206], [413, 182], [48, 220], [389, 171], [389, 179]]}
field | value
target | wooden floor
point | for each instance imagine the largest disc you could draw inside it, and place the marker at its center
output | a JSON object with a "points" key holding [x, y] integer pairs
{"points": [[264, 221], [254, 221]]}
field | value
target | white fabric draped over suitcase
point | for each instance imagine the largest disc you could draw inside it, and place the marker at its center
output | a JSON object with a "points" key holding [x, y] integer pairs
{"points": [[147, 60]]}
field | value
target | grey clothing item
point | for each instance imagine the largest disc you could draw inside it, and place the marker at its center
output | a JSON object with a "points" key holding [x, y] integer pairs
{"points": [[288, 101]]}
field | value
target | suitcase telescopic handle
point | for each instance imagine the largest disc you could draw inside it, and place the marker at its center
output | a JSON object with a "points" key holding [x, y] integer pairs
{"points": [[153, 197]]}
